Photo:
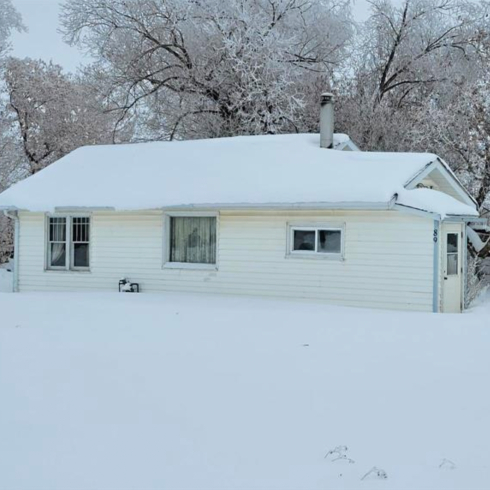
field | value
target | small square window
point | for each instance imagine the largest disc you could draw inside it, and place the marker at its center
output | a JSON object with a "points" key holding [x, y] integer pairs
{"points": [[319, 241]]}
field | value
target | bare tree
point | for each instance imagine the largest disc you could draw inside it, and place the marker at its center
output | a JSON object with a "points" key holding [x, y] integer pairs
{"points": [[10, 20], [401, 55], [45, 114], [197, 69], [53, 112]]}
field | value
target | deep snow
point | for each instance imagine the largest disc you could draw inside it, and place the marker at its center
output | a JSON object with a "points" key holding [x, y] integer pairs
{"points": [[174, 391]]}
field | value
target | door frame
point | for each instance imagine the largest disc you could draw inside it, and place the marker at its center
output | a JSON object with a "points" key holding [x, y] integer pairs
{"points": [[459, 229]]}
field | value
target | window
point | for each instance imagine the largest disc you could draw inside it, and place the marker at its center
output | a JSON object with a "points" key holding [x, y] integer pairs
{"points": [[192, 240], [80, 240], [452, 254], [68, 242], [316, 241], [57, 243]]}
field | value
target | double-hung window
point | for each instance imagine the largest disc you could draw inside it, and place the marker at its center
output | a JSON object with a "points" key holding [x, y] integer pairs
{"points": [[191, 241], [316, 241], [68, 243]]}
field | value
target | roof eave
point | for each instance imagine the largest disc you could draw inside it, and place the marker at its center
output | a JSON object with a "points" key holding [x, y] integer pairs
{"points": [[403, 208], [285, 206], [454, 218], [460, 218], [354, 205]]}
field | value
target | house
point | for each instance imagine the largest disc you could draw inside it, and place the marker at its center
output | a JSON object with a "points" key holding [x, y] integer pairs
{"points": [[296, 216]]}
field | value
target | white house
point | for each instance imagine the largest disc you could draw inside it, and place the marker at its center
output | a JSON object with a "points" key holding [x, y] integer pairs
{"points": [[295, 216]]}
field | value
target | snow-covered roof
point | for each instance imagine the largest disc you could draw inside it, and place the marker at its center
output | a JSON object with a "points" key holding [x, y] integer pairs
{"points": [[435, 202], [285, 170]]}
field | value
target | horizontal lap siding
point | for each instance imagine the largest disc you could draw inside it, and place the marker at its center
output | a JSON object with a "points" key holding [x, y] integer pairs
{"points": [[388, 259]]}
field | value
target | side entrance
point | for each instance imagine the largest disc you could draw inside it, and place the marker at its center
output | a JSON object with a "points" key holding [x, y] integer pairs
{"points": [[452, 267]]}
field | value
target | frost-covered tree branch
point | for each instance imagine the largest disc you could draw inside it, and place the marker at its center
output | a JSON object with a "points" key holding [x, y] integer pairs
{"points": [[10, 20], [54, 113], [211, 68]]}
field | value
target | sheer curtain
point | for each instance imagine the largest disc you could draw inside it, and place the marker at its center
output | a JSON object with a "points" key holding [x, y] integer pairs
{"points": [[193, 240]]}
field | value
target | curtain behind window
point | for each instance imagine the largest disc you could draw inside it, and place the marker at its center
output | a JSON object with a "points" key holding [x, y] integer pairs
{"points": [[193, 240]]}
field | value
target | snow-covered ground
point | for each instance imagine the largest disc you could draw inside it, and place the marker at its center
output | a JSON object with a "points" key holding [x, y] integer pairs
{"points": [[6, 278], [108, 391]]}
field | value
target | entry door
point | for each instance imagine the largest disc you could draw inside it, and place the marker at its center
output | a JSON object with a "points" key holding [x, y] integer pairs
{"points": [[452, 269]]}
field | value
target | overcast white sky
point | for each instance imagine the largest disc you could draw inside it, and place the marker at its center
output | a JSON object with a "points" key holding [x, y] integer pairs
{"points": [[43, 40]]}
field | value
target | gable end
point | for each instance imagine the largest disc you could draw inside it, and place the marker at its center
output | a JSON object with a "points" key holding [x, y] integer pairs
{"points": [[442, 178]]}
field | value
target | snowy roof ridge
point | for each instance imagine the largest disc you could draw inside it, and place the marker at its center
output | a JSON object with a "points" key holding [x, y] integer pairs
{"points": [[241, 170]]}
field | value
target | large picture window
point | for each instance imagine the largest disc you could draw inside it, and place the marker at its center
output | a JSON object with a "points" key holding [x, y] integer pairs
{"points": [[316, 241], [68, 240], [192, 240]]}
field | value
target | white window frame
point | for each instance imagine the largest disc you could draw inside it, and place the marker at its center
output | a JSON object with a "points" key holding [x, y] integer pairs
{"points": [[314, 254], [48, 244], [166, 240], [69, 267]]}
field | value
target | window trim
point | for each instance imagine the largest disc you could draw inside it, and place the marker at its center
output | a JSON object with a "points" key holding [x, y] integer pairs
{"points": [[313, 254], [69, 242], [72, 243], [166, 264], [49, 242]]}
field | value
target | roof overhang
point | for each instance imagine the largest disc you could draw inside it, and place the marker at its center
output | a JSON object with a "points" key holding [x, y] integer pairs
{"points": [[429, 214], [285, 206], [373, 206], [453, 181], [464, 219]]}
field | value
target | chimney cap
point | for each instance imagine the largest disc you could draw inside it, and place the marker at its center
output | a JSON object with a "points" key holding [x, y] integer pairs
{"points": [[326, 97]]}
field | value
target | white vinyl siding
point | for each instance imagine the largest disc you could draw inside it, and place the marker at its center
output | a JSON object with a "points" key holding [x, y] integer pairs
{"points": [[388, 258]]}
